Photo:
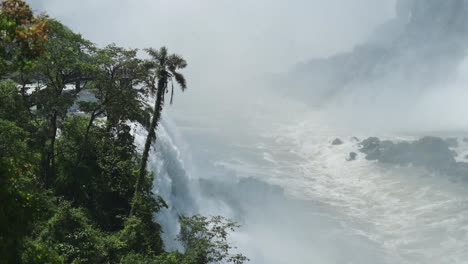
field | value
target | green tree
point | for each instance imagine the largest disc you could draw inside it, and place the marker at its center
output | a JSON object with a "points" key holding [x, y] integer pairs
{"points": [[11, 106], [113, 88], [20, 194], [66, 61], [68, 235], [205, 240], [22, 36], [70, 179], [162, 70], [103, 181]]}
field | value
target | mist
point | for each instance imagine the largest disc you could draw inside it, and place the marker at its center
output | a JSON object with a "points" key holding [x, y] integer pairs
{"points": [[270, 85], [227, 43]]}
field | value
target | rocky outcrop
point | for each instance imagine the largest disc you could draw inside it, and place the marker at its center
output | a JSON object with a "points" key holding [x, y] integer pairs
{"points": [[430, 152], [421, 47], [337, 141], [352, 156]]}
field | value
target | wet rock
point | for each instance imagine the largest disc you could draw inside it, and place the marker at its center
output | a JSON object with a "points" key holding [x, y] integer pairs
{"points": [[352, 156], [371, 147], [355, 139], [429, 152], [337, 141], [433, 152]]}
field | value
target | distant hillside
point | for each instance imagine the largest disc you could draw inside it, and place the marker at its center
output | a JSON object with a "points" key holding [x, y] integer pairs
{"points": [[420, 47]]}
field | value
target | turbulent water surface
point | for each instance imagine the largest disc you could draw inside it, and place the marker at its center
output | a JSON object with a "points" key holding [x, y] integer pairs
{"points": [[297, 197], [269, 162]]}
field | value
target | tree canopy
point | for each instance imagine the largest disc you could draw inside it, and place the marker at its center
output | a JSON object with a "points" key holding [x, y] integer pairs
{"points": [[22, 35], [70, 172]]}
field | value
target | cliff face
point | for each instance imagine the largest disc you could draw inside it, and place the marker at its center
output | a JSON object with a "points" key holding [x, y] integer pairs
{"points": [[420, 47]]}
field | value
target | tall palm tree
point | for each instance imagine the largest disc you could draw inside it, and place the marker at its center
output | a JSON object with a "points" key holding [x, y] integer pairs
{"points": [[162, 70]]}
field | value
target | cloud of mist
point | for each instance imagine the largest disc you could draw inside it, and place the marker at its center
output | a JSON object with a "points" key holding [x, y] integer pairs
{"points": [[226, 42], [408, 76], [398, 103]]}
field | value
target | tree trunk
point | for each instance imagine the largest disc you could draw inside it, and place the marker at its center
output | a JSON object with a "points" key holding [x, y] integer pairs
{"points": [[150, 139], [50, 161], [86, 136]]}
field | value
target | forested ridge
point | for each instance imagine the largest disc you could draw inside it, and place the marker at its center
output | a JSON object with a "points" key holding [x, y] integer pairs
{"points": [[73, 186]]}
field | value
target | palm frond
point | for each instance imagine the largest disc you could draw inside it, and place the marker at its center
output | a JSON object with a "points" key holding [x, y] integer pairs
{"points": [[172, 92], [176, 62], [163, 51], [162, 56], [153, 53], [148, 64], [180, 79]]}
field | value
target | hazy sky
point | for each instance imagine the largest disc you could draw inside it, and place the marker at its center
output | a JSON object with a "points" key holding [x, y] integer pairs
{"points": [[225, 42], [270, 34]]}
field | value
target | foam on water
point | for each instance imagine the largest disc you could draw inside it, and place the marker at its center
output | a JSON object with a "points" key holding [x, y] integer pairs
{"points": [[331, 211], [415, 215]]}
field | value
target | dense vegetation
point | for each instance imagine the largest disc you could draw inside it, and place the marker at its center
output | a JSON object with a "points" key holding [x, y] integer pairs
{"points": [[73, 188]]}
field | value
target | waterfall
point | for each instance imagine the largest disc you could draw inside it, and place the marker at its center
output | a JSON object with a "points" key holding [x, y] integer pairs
{"points": [[269, 218], [171, 180]]}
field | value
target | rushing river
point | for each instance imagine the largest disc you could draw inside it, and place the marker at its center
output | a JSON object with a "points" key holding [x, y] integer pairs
{"points": [[297, 197]]}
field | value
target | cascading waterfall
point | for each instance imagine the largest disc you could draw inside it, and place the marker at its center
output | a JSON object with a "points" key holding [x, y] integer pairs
{"points": [[172, 181], [240, 199]]}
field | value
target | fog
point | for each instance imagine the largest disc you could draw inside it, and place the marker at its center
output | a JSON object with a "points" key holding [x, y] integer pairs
{"points": [[235, 47], [227, 43], [270, 85]]}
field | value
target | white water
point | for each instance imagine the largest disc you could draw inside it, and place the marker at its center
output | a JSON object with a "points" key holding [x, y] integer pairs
{"points": [[415, 216], [331, 210]]}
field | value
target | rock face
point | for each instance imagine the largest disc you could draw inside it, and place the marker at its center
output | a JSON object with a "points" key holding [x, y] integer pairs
{"points": [[430, 152], [422, 45], [352, 156], [337, 141]]}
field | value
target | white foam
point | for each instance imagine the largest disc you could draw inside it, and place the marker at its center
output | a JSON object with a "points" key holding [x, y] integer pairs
{"points": [[419, 217]]}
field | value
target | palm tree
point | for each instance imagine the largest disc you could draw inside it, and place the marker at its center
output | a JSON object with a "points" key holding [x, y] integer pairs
{"points": [[162, 70]]}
